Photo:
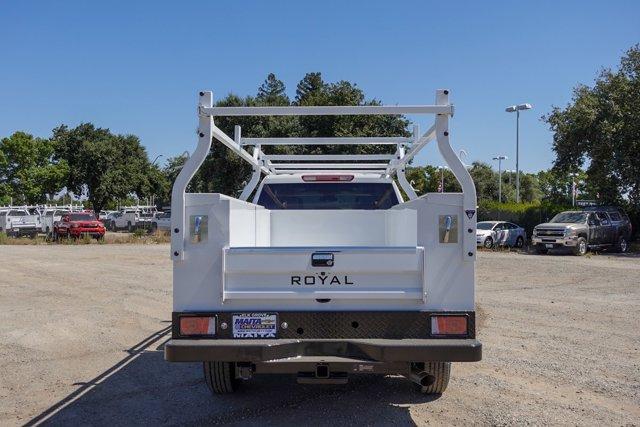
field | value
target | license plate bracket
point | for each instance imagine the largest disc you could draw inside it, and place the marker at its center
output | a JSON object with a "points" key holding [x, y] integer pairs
{"points": [[254, 325]]}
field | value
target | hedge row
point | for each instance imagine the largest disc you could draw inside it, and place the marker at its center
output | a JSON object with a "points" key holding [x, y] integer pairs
{"points": [[526, 215]]}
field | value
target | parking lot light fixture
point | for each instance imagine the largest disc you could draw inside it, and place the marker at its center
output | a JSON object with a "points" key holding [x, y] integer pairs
{"points": [[500, 159], [517, 109]]}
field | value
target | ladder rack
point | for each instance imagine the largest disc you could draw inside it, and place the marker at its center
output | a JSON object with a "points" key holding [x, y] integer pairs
{"points": [[384, 165]]}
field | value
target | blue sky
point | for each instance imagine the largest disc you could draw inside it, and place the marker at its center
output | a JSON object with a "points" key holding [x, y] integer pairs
{"points": [[135, 67]]}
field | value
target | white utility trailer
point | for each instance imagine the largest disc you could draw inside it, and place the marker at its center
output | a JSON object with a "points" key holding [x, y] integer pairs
{"points": [[328, 272]]}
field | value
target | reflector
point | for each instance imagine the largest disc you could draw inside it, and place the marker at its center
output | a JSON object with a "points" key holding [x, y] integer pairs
{"points": [[194, 325], [448, 325]]}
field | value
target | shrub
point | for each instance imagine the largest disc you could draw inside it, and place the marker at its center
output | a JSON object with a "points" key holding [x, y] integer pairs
{"points": [[526, 215], [139, 233]]}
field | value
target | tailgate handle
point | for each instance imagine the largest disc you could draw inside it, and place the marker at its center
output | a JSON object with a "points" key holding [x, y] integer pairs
{"points": [[447, 228], [322, 259]]}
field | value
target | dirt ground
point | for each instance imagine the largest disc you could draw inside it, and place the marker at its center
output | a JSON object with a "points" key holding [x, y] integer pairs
{"points": [[82, 328]]}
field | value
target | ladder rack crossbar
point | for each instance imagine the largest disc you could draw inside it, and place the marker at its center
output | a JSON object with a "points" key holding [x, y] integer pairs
{"points": [[369, 140], [327, 110], [329, 165], [327, 157]]}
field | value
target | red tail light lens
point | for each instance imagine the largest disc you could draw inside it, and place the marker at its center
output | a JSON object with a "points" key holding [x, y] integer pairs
{"points": [[197, 325], [449, 325], [319, 178]]}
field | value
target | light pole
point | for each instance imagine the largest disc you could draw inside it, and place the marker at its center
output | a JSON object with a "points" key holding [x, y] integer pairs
{"points": [[500, 159], [573, 188], [442, 168], [156, 159], [517, 109]]}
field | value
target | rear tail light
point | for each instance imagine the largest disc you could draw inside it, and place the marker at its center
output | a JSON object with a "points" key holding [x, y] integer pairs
{"points": [[449, 325], [197, 325], [316, 178]]}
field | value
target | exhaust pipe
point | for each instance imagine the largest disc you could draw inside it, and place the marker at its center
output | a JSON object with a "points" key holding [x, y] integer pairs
{"points": [[422, 378]]}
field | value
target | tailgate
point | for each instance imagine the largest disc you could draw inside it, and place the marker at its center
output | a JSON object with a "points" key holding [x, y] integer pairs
{"points": [[323, 273]]}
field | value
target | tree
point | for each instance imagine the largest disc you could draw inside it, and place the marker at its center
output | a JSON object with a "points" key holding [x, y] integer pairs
{"points": [[105, 166], [310, 90], [223, 171], [272, 91], [28, 172], [529, 188], [600, 129], [486, 181]]}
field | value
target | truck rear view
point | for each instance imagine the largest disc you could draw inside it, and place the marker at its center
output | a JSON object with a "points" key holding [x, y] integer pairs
{"points": [[328, 272]]}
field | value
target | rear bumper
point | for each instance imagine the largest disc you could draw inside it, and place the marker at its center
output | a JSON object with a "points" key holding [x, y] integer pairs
{"points": [[20, 230], [383, 350]]}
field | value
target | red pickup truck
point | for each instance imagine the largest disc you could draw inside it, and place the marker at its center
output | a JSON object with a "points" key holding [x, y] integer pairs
{"points": [[77, 224]]}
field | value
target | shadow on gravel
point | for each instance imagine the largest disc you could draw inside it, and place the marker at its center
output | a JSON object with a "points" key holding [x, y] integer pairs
{"points": [[144, 389]]}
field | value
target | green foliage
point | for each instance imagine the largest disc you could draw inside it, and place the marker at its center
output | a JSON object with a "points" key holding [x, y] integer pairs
{"points": [[428, 178], [140, 232], [105, 166], [224, 172], [28, 172], [600, 129], [526, 215]]}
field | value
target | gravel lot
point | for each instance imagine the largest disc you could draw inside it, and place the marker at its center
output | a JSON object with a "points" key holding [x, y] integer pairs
{"points": [[82, 328]]}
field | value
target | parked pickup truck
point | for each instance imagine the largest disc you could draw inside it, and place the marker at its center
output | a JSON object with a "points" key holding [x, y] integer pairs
{"points": [[161, 221], [78, 224], [18, 222], [131, 218], [592, 228], [329, 272]]}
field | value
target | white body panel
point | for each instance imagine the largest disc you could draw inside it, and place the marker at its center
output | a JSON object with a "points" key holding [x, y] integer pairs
{"points": [[393, 257], [50, 217]]}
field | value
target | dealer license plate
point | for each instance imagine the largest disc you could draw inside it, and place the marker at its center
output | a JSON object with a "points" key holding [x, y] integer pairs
{"points": [[254, 325], [549, 246]]}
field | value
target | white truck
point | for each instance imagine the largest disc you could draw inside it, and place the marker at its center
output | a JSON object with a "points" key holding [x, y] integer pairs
{"points": [[328, 272], [19, 221], [161, 221], [132, 217]]}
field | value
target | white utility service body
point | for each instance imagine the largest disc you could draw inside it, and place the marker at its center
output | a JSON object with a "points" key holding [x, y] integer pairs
{"points": [[20, 221], [324, 292], [130, 218]]}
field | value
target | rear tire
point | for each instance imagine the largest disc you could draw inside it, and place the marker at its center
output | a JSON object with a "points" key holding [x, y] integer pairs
{"points": [[622, 246], [441, 372], [220, 377], [581, 247]]}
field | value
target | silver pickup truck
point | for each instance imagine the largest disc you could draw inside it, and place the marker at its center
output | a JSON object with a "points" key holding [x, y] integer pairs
{"points": [[592, 228]]}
